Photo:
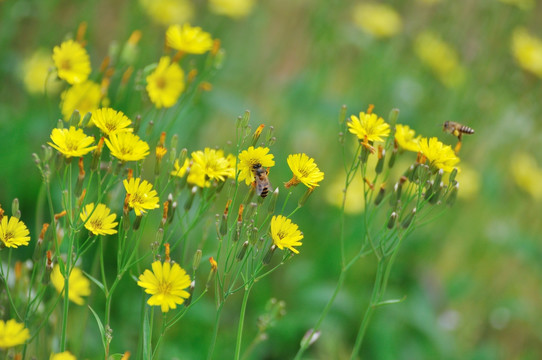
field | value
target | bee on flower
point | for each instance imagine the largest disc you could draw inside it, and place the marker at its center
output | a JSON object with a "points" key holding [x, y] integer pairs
{"points": [[249, 158]]}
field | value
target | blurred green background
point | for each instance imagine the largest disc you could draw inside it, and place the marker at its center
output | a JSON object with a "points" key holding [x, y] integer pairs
{"points": [[472, 278]]}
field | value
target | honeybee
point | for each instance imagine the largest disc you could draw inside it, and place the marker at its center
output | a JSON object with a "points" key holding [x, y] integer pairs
{"points": [[457, 129], [261, 180]]}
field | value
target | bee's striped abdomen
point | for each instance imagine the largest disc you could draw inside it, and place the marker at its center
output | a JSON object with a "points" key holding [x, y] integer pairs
{"points": [[466, 130]]}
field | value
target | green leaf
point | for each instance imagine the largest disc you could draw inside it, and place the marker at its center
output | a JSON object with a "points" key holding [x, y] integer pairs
{"points": [[147, 334], [390, 302], [96, 281], [100, 326]]}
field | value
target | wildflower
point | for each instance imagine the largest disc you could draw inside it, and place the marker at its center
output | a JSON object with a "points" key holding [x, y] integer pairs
{"points": [[213, 164], [196, 176], [439, 155], [166, 83], [469, 179], [13, 232], [71, 142], [84, 97], [379, 20], [79, 285], [141, 195], [368, 125], [188, 39], [36, 73], [285, 234], [440, 57], [253, 156], [527, 50], [527, 174], [126, 146], [111, 121], [166, 283], [98, 220], [12, 334], [232, 8], [72, 62], [167, 12], [305, 170], [406, 138], [66, 355]]}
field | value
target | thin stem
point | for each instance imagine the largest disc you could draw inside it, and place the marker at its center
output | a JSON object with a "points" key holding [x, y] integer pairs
{"points": [[215, 331], [248, 287]]}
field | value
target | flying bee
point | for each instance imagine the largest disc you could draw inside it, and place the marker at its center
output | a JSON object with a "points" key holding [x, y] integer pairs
{"points": [[457, 129], [261, 180]]}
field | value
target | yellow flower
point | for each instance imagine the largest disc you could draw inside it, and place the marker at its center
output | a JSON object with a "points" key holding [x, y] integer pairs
{"points": [[141, 196], [84, 97], [188, 39], [111, 121], [354, 198], [439, 155], [166, 83], [250, 157], [285, 234], [305, 170], [101, 222], [527, 50], [13, 232], [232, 8], [440, 57], [406, 138], [72, 142], [12, 334], [166, 283], [66, 355], [213, 164], [167, 12], [370, 125], [527, 174], [72, 62], [36, 73], [196, 176], [79, 285], [377, 19], [126, 146], [469, 182]]}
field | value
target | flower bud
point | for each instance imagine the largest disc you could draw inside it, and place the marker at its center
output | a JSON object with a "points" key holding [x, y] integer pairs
{"points": [[253, 235], [380, 195], [310, 338], [48, 268], [191, 292], [381, 157], [453, 174], [408, 219], [394, 114], [197, 259], [257, 134], [137, 124], [243, 251], [85, 120], [15, 211], [391, 161], [452, 195], [391, 221], [137, 223], [437, 195], [269, 255], [75, 118], [190, 200], [273, 202]]}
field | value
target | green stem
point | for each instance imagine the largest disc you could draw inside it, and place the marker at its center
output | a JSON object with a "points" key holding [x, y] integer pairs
{"points": [[248, 287], [215, 331]]}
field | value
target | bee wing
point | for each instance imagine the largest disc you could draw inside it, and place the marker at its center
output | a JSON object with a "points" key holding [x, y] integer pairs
{"points": [[261, 185]]}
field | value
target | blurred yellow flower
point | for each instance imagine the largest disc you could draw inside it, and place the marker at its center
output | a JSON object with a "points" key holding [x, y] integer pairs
{"points": [[141, 196], [12, 334], [379, 20], [527, 50], [213, 164], [111, 121], [100, 221], [126, 146], [72, 62], [522, 4], [166, 83], [406, 138], [285, 233], [66, 355], [166, 283], [469, 182], [527, 174], [71, 142], [370, 125], [305, 171], [79, 285], [231, 8], [188, 39], [441, 57], [13, 232], [84, 97], [38, 75], [250, 157], [439, 155], [354, 200], [167, 12]]}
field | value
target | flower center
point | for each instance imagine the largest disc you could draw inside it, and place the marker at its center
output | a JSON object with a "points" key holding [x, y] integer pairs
{"points": [[8, 236], [66, 65], [164, 287], [161, 83], [96, 223]]}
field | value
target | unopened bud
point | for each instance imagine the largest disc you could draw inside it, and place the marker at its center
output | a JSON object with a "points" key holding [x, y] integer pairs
{"points": [[391, 161], [197, 259], [453, 174], [251, 209], [381, 157], [436, 197], [96, 155], [408, 219], [253, 235], [190, 200], [48, 268], [75, 118], [137, 124], [171, 214], [191, 292], [150, 126], [391, 221], [380, 195], [310, 338], [257, 134], [159, 235], [15, 211], [273, 202], [305, 197], [394, 114], [86, 119], [269, 255], [137, 223], [452, 195], [242, 251]]}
